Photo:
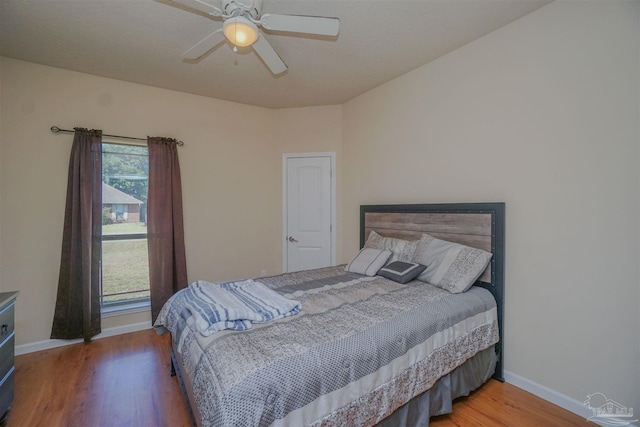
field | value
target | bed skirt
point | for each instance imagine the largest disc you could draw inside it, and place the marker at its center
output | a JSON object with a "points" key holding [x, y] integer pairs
{"points": [[438, 400]]}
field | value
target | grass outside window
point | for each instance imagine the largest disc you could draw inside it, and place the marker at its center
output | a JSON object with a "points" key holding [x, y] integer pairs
{"points": [[125, 264]]}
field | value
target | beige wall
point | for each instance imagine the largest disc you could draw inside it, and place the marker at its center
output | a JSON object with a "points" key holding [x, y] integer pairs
{"points": [[312, 130], [231, 167], [543, 115], [230, 173]]}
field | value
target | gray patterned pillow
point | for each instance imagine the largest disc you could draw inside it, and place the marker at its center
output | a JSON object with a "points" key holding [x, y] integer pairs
{"points": [[401, 250], [368, 261], [450, 266]]}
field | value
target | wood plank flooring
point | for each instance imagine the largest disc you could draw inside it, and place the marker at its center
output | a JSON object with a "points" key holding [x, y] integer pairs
{"points": [[124, 381]]}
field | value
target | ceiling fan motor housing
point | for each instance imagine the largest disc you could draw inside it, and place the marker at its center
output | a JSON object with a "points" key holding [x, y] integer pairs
{"points": [[248, 8]]}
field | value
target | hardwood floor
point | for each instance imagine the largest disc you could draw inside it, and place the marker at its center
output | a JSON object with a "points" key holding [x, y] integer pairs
{"points": [[116, 381], [502, 404], [124, 381]]}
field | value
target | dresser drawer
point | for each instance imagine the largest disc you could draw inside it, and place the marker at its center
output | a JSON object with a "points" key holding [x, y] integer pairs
{"points": [[6, 393], [6, 356], [6, 322]]}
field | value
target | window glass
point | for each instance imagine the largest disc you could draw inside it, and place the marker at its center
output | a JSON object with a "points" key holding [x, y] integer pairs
{"points": [[125, 263]]}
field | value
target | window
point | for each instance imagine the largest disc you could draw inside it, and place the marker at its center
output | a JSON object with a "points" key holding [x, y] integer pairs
{"points": [[124, 263]]}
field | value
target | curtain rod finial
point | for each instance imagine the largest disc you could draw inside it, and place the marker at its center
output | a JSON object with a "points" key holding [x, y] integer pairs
{"points": [[55, 129]]}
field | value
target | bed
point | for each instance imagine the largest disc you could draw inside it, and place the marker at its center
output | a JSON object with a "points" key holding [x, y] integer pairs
{"points": [[364, 350]]}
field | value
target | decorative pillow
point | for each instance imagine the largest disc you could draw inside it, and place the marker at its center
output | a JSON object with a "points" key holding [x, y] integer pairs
{"points": [[401, 250], [401, 272], [373, 240], [368, 261], [450, 266]]}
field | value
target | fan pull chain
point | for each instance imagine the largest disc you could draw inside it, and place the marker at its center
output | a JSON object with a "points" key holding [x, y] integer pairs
{"points": [[235, 29]]}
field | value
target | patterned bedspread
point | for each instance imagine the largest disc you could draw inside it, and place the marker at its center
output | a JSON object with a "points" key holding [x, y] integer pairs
{"points": [[360, 348]]}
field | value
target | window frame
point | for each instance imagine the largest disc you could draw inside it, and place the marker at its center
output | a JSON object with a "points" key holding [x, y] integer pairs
{"points": [[127, 306]]}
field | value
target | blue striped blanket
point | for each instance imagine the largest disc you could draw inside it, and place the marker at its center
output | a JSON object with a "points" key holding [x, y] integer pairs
{"points": [[234, 305]]}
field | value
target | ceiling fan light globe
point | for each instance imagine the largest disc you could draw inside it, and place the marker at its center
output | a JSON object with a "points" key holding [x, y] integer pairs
{"points": [[240, 31]]}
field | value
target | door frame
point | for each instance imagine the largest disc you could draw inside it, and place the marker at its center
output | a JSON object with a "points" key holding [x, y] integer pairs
{"points": [[332, 175]]}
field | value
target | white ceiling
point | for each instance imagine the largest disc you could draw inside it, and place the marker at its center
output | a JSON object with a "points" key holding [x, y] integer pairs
{"points": [[141, 41]]}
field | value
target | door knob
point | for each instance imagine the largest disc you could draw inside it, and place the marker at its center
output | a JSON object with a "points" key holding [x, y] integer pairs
{"points": [[292, 239]]}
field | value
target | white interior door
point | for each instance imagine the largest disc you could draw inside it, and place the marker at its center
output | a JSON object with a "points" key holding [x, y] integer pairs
{"points": [[309, 212]]}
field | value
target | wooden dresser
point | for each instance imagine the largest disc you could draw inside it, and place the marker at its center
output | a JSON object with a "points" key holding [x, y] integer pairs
{"points": [[7, 341]]}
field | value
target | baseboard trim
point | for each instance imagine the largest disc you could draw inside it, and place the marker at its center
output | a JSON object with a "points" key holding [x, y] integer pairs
{"points": [[557, 398], [109, 332]]}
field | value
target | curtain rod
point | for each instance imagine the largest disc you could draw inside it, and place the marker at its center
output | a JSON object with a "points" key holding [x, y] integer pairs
{"points": [[56, 129]]}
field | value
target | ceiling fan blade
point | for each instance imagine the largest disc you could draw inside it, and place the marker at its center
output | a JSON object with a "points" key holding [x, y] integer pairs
{"points": [[201, 6], [269, 56], [208, 43], [301, 24]]}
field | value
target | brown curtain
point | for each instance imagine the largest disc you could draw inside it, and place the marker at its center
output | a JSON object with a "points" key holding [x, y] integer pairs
{"points": [[165, 233], [77, 312]]}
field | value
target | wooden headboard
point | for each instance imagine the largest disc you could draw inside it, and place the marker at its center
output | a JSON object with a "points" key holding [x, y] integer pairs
{"points": [[479, 225]]}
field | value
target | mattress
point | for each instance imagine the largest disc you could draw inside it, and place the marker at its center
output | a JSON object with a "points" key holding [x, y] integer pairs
{"points": [[360, 348]]}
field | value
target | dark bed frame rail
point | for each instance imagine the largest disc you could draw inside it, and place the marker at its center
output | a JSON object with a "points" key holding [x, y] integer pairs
{"points": [[496, 284]]}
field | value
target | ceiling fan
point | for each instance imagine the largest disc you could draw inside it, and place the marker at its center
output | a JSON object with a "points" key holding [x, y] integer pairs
{"points": [[241, 21]]}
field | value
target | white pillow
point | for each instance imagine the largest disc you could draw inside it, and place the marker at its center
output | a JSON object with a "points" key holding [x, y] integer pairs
{"points": [[401, 250], [450, 266], [368, 261]]}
